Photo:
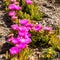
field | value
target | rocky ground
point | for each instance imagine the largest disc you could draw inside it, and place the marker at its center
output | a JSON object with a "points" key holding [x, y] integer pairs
{"points": [[3, 31], [51, 17], [51, 11]]}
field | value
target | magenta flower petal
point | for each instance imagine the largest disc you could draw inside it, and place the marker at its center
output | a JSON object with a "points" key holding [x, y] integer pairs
{"points": [[29, 26], [27, 35], [14, 27], [14, 50], [12, 6], [47, 28], [21, 39], [17, 8], [12, 13], [15, 41], [21, 46], [29, 2], [13, 0], [28, 40], [23, 22], [24, 40], [23, 29], [37, 27], [14, 17], [22, 34]]}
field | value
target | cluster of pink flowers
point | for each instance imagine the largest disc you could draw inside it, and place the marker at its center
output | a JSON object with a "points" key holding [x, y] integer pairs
{"points": [[14, 6], [23, 36]]}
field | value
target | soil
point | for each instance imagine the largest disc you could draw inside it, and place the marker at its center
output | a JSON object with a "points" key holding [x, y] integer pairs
{"points": [[51, 17]]}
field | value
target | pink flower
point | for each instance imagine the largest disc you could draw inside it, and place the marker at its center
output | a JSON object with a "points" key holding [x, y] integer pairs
{"points": [[47, 28], [14, 17], [28, 1], [13, 0], [27, 35], [24, 40], [23, 22], [21, 46], [37, 27], [14, 50], [28, 40], [14, 27], [15, 41], [23, 29], [17, 7], [12, 13], [22, 34], [14, 7], [29, 26]]}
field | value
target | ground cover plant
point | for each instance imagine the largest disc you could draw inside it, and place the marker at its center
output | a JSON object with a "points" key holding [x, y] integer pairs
{"points": [[25, 31]]}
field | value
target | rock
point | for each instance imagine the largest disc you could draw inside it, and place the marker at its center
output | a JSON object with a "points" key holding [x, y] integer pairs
{"points": [[51, 12], [2, 57], [4, 30], [33, 58], [54, 1]]}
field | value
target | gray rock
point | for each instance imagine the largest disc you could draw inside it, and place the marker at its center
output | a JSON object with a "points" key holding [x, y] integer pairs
{"points": [[52, 12], [54, 1]]}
